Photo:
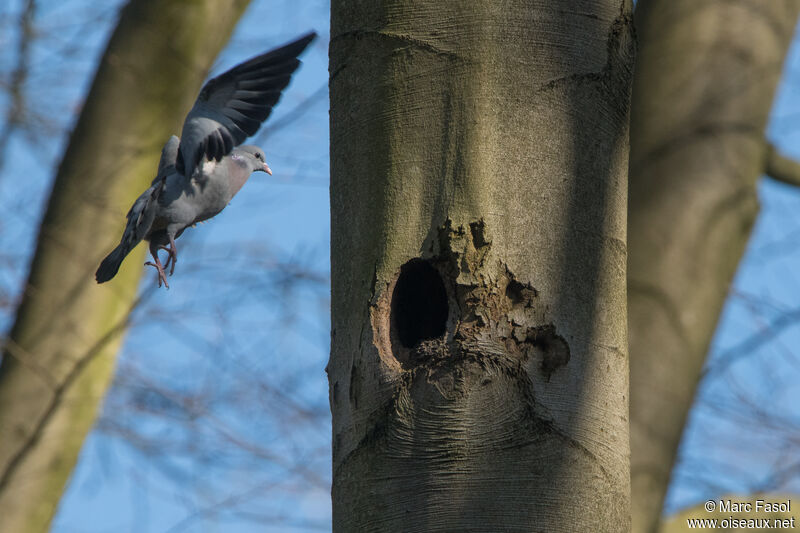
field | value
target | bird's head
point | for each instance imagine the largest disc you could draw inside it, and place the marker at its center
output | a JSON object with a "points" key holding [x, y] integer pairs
{"points": [[254, 156]]}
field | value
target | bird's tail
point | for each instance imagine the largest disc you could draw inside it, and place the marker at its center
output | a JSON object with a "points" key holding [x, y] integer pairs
{"points": [[110, 265]]}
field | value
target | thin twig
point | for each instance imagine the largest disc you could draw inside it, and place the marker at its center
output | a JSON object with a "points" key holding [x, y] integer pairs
{"points": [[16, 113]]}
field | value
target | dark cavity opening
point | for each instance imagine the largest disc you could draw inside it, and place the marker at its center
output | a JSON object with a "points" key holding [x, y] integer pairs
{"points": [[419, 304]]}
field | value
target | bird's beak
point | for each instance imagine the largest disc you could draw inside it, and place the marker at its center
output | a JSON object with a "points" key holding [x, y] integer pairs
{"points": [[267, 169]]}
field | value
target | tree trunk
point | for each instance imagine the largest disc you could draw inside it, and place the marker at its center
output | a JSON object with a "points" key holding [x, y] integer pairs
{"points": [[705, 78], [59, 357], [478, 372]]}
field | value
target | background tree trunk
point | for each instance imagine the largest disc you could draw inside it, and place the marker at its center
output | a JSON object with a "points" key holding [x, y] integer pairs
{"points": [[705, 78], [478, 371], [59, 357]]}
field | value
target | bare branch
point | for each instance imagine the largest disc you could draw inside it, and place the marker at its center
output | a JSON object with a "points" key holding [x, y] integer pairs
{"points": [[780, 167], [15, 115], [752, 343]]}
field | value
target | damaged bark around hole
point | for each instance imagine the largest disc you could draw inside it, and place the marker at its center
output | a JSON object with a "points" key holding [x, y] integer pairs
{"points": [[458, 302]]}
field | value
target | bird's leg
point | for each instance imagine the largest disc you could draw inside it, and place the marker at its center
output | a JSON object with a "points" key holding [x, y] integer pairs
{"points": [[169, 257], [172, 250], [162, 277]]}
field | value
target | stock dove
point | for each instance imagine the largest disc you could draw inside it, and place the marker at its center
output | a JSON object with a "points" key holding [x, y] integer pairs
{"points": [[202, 170]]}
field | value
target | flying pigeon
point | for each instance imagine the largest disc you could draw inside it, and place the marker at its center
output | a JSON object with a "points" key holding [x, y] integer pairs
{"points": [[202, 170]]}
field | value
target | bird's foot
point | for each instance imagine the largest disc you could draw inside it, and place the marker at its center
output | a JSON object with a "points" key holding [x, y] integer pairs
{"points": [[172, 258], [162, 277]]}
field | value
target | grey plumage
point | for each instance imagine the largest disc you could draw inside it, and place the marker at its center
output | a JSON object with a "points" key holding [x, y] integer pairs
{"points": [[232, 106], [200, 172]]}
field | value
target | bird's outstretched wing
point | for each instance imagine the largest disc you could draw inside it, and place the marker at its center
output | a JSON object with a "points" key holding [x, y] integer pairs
{"points": [[232, 106]]}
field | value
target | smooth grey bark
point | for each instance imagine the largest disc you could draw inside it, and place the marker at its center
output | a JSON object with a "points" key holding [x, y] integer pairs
{"points": [[478, 372], [705, 78], [59, 357]]}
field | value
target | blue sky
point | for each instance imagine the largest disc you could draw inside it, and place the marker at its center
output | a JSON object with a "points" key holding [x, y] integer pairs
{"points": [[218, 420]]}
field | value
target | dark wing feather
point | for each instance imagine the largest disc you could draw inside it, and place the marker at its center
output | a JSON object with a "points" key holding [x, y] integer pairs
{"points": [[232, 106], [169, 157]]}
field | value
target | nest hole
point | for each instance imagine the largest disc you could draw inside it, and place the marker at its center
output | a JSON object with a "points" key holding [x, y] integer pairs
{"points": [[419, 305]]}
